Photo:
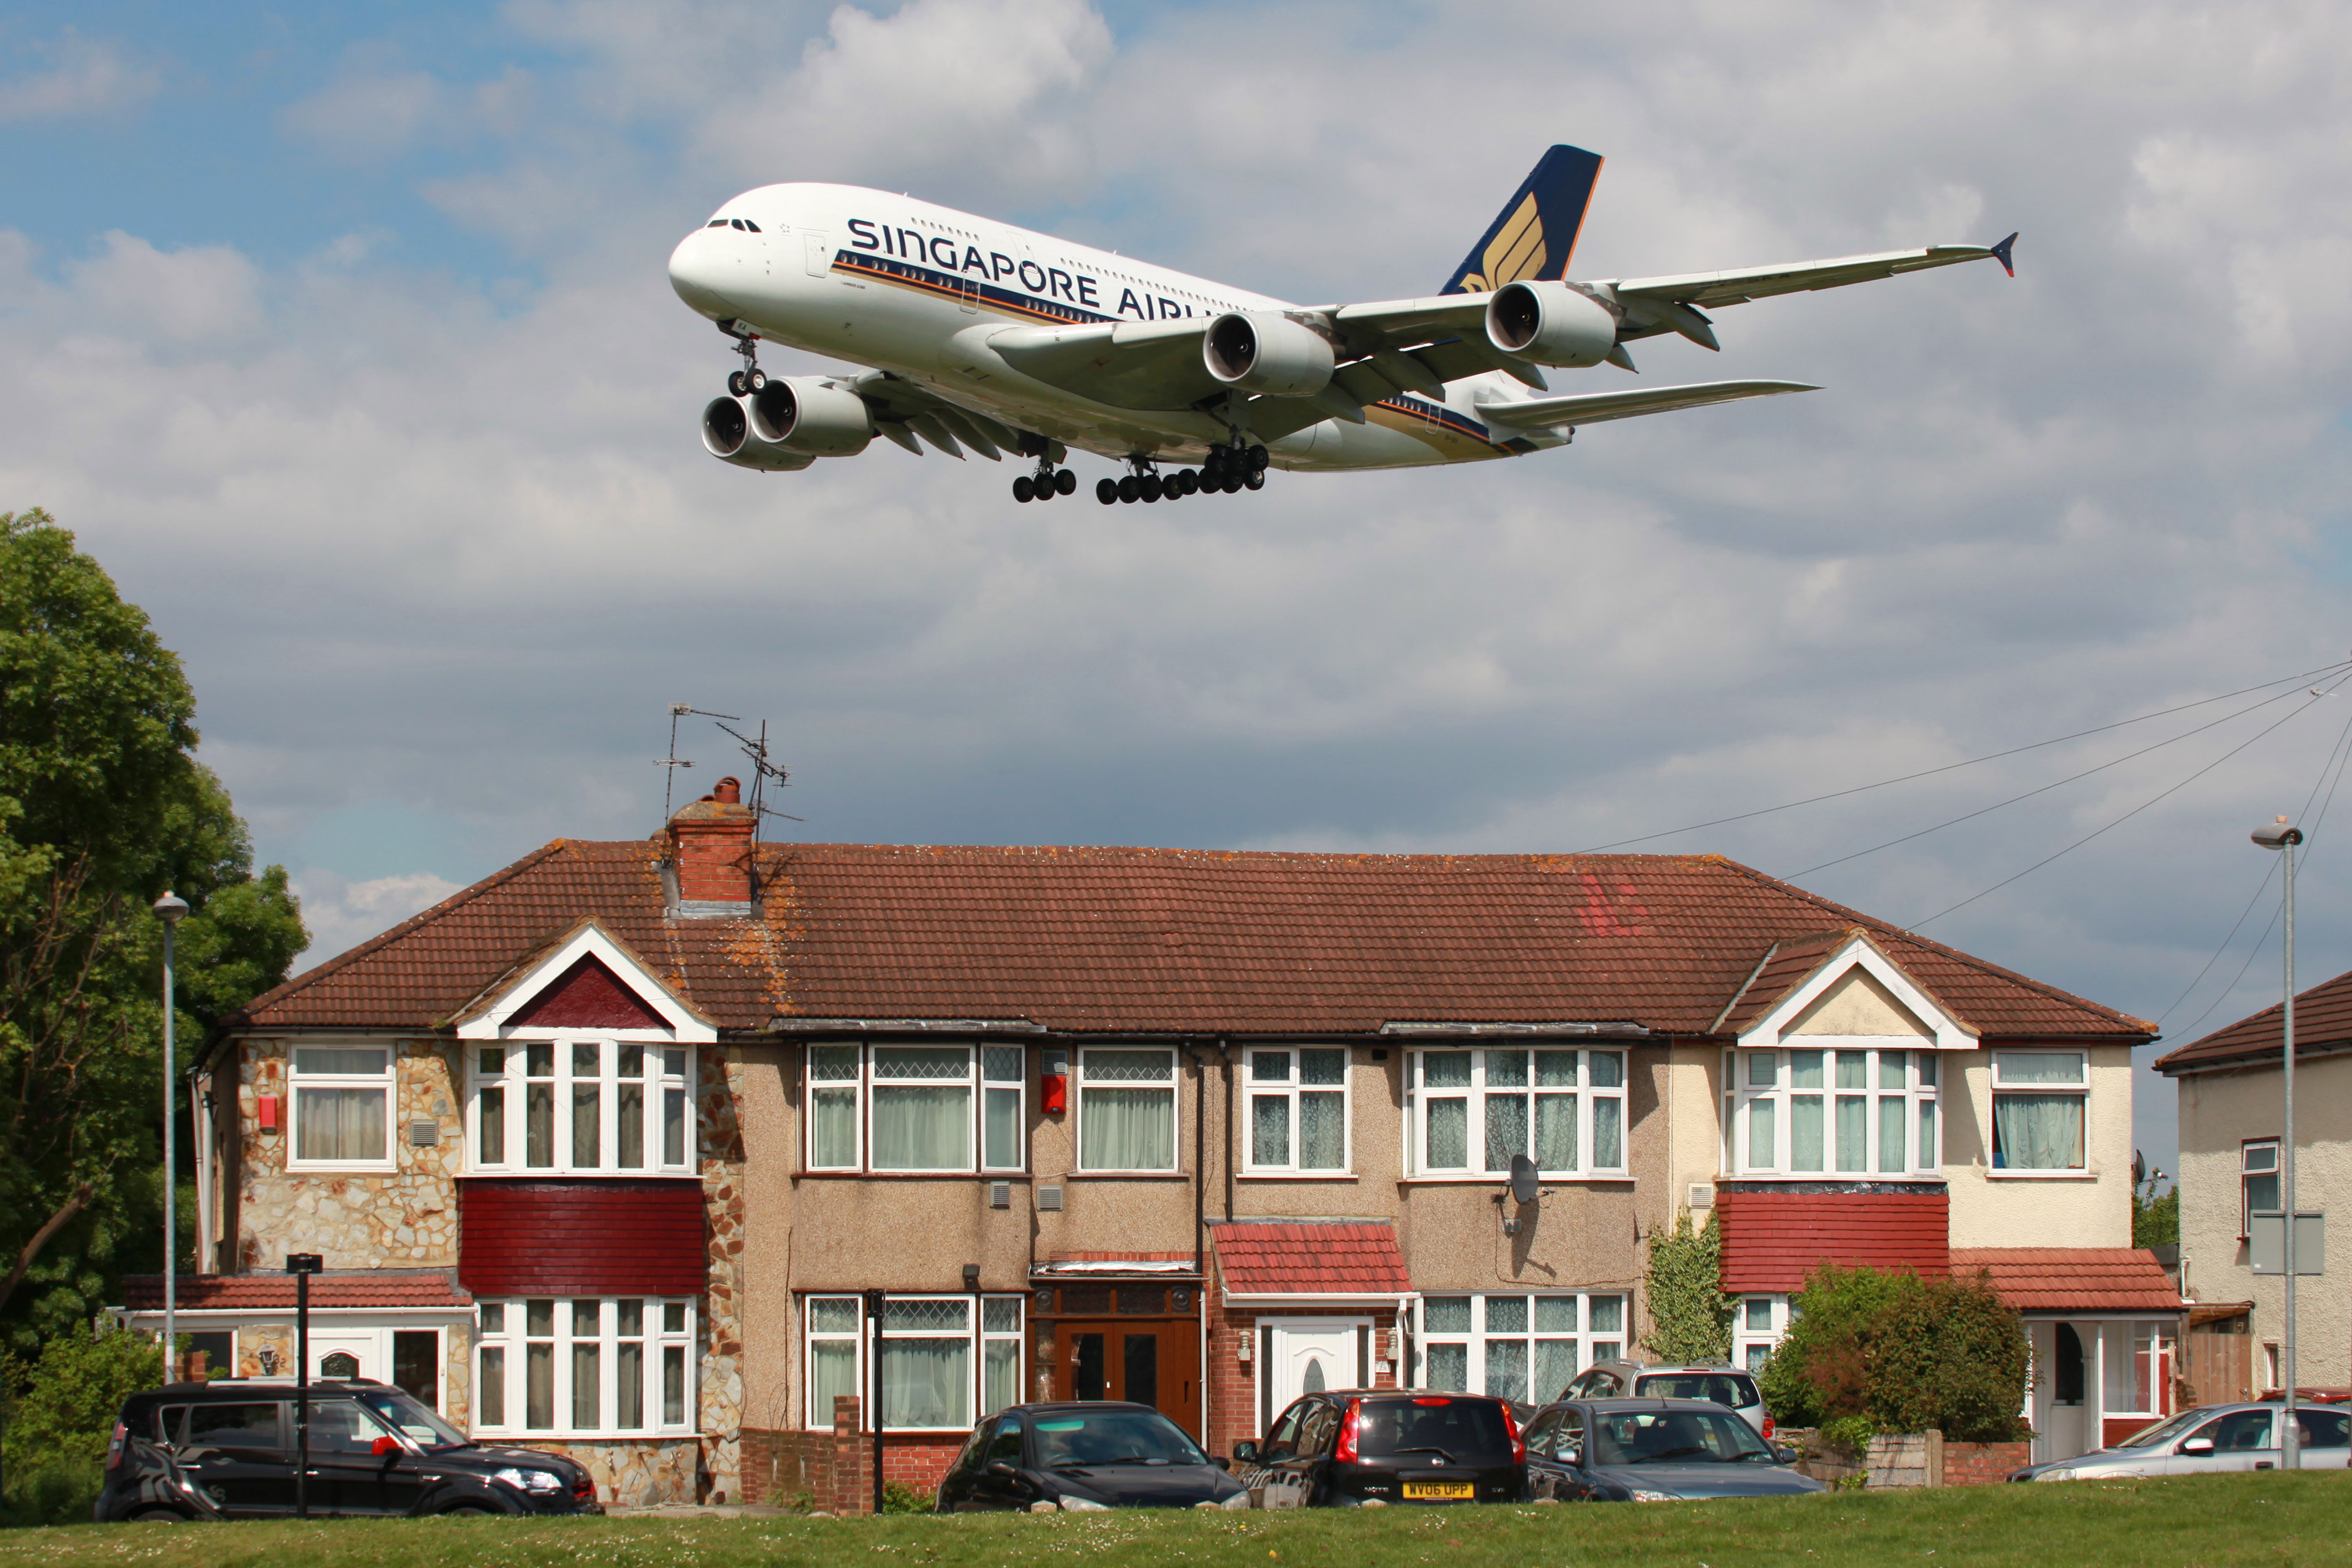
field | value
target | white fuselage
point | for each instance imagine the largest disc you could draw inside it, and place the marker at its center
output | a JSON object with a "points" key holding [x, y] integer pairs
{"points": [[904, 285]]}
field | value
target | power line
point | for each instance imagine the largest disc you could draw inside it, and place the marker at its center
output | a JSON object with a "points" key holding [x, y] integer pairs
{"points": [[2127, 815], [2322, 670]]}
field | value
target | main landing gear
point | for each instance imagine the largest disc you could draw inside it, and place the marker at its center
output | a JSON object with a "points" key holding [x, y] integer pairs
{"points": [[750, 378], [1227, 471], [1045, 484]]}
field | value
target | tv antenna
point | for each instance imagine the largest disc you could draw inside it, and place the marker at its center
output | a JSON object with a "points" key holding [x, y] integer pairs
{"points": [[755, 751], [674, 762]]}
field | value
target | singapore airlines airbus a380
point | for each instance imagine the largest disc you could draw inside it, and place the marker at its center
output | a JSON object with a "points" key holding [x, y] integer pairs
{"points": [[985, 336]]}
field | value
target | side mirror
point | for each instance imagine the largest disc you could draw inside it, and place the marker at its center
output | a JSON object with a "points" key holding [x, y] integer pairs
{"points": [[1785, 1454], [1572, 1456], [1221, 1462], [1245, 1452], [384, 1447], [2197, 1445], [1000, 1469]]}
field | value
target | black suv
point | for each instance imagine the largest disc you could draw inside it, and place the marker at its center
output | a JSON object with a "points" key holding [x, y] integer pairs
{"points": [[225, 1450], [1351, 1447]]}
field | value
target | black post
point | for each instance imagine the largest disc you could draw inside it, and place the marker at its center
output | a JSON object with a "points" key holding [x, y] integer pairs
{"points": [[874, 1315], [303, 1265]]}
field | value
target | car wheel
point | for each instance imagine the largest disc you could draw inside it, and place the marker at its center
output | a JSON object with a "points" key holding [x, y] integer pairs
{"points": [[157, 1516], [467, 1510]]}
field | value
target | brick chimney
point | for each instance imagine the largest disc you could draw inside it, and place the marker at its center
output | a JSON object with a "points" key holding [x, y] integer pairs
{"points": [[710, 845]]}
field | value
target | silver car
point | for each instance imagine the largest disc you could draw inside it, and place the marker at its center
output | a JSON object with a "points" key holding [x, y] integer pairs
{"points": [[1718, 1382], [2212, 1438]]}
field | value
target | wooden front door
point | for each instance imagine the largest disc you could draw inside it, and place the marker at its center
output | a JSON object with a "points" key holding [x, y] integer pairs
{"points": [[1154, 1364]]}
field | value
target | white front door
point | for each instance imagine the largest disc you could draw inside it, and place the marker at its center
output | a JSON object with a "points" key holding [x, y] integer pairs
{"points": [[1310, 1355]]}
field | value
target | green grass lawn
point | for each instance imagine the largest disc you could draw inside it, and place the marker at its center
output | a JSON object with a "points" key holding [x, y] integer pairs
{"points": [[2272, 1519]]}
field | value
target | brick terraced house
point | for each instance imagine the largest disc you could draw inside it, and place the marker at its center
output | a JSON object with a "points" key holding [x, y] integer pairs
{"points": [[605, 1153]]}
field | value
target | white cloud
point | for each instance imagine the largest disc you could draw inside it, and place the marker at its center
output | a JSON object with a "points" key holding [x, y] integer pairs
{"points": [[82, 76], [342, 914]]}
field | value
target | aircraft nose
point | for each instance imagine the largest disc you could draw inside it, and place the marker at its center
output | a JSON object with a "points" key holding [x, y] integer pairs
{"points": [[700, 269]]}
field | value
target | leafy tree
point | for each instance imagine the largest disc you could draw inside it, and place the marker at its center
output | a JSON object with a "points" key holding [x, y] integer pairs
{"points": [[2155, 1221], [1895, 1353], [1690, 1317], [102, 807], [60, 1413]]}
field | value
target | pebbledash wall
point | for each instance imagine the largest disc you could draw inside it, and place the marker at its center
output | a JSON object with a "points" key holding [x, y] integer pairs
{"points": [[409, 1218]]}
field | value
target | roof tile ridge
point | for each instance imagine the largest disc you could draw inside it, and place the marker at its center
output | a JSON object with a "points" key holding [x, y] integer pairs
{"points": [[1896, 933], [376, 943]]}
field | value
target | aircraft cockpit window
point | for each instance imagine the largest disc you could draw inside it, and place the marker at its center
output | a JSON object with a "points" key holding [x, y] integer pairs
{"points": [[716, 222], [750, 224], [735, 222]]}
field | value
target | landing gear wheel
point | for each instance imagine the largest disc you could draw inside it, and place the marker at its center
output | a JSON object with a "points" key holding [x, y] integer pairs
{"points": [[1258, 459], [1213, 466], [1106, 490], [1023, 491], [1067, 482], [1256, 480], [1230, 483], [1041, 488], [1188, 481], [1131, 490], [739, 384], [1149, 486], [754, 379], [1170, 488]]}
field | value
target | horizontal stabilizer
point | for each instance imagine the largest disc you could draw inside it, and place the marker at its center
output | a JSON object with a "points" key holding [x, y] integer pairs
{"points": [[1593, 407]]}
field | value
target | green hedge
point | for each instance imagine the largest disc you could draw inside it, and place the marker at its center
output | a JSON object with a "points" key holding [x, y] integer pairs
{"points": [[1894, 1352], [60, 1411]]}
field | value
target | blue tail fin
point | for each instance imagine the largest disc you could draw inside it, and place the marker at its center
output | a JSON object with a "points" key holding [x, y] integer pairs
{"points": [[1536, 231]]}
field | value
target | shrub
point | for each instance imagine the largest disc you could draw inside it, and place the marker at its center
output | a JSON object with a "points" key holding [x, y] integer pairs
{"points": [[60, 1411], [1894, 1352], [1690, 1317], [1849, 1434], [898, 1496]]}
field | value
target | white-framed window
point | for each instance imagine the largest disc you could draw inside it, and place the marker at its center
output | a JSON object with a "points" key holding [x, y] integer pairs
{"points": [[2258, 1181], [1757, 1324], [948, 1360], [2039, 1109], [585, 1366], [1841, 1111], [1527, 1348], [1297, 1111], [930, 1106], [1126, 1108], [1468, 1112], [340, 1098], [2134, 1354], [581, 1105]]}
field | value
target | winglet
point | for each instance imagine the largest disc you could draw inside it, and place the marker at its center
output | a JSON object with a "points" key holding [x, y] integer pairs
{"points": [[2000, 254]]}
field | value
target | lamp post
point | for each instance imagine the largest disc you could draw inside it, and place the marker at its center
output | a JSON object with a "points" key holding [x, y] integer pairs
{"points": [[171, 909], [303, 1265], [2283, 836]]}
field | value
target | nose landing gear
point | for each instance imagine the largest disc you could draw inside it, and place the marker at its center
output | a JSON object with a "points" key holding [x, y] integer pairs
{"points": [[750, 378]]}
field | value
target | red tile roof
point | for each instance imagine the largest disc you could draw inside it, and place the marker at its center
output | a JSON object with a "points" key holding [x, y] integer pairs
{"points": [[387, 1287], [1776, 1234], [1116, 939], [2072, 1279], [2323, 1025], [1309, 1259]]}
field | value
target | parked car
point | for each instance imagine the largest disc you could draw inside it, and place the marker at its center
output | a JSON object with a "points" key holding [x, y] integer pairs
{"points": [[1717, 1380], [1084, 1456], [2212, 1438], [1351, 1447], [225, 1450], [1653, 1450]]}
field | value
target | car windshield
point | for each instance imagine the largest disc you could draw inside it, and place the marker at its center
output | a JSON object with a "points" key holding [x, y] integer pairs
{"points": [[1109, 1437], [2165, 1431], [1674, 1437], [413, 1421], [1462, 1431], [1720, 1388]]}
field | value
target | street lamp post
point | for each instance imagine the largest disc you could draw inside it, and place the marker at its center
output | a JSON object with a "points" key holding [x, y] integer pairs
{"points": [[2281, 837], [171, 909]]}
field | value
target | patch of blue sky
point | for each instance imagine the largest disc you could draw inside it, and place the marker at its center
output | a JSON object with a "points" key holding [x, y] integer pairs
{"points": [[375, 838]]}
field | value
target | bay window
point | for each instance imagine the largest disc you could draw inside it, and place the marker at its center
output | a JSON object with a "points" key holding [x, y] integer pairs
{"points": [[947, 1361], [2258, 1184], [1515, 1347], [1850, 1112], [1297, 1111], [341, 1102], [585, 1366], [1127, 1110], [1469, 1111], [2038, 1109], [581, 1106], [915, 1108]]}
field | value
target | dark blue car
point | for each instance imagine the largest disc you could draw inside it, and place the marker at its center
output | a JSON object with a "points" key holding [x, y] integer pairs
{"points": [[1653, 1450]]}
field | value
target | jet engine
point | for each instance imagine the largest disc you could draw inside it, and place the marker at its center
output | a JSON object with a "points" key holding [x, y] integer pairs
{"points": [[1549, 324], [727, 435], [810, 414], [1265, 351]]}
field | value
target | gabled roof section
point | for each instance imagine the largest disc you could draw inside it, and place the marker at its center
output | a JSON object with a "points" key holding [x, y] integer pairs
{"points": [[1150, 939], [583, 980], [1802, 970], [2071, 1278], [1314, 1259], [2323, 1025]]}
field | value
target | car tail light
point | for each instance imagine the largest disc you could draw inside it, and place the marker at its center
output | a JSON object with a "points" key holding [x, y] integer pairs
{"points": [[1349, 1425], [1518, 1444], [583, 1490], [1768, 1426], [114, 1447]]}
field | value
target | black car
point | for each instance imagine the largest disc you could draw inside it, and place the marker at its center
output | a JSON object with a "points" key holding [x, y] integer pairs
{"points": [[1653, 1450], [1084, 1456], [1351, 1447], [225, 1450]]}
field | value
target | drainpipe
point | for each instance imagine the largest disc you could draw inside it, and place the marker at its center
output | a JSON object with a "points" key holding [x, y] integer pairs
{"points": [[1200, 1159], [1224, 1050]]}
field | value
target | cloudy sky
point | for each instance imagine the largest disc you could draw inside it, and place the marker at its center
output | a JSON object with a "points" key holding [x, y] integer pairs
{"points": [[344, 340]]}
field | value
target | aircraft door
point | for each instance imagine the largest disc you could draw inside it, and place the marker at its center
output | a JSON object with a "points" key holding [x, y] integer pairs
{"points": [[968, 292], [819, 254]]}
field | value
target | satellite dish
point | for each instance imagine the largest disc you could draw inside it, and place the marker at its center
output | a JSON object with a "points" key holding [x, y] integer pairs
{"points": [[1523, 1180]]}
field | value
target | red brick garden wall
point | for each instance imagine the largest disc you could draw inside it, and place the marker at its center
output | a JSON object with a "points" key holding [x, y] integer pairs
{"points": [[1983, 1464], [834, 1470]]}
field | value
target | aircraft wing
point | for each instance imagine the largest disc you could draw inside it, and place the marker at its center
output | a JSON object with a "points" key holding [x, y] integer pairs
{"points": [[1593, 407], [1713, 290], [1126, 364], [902, 410]]}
